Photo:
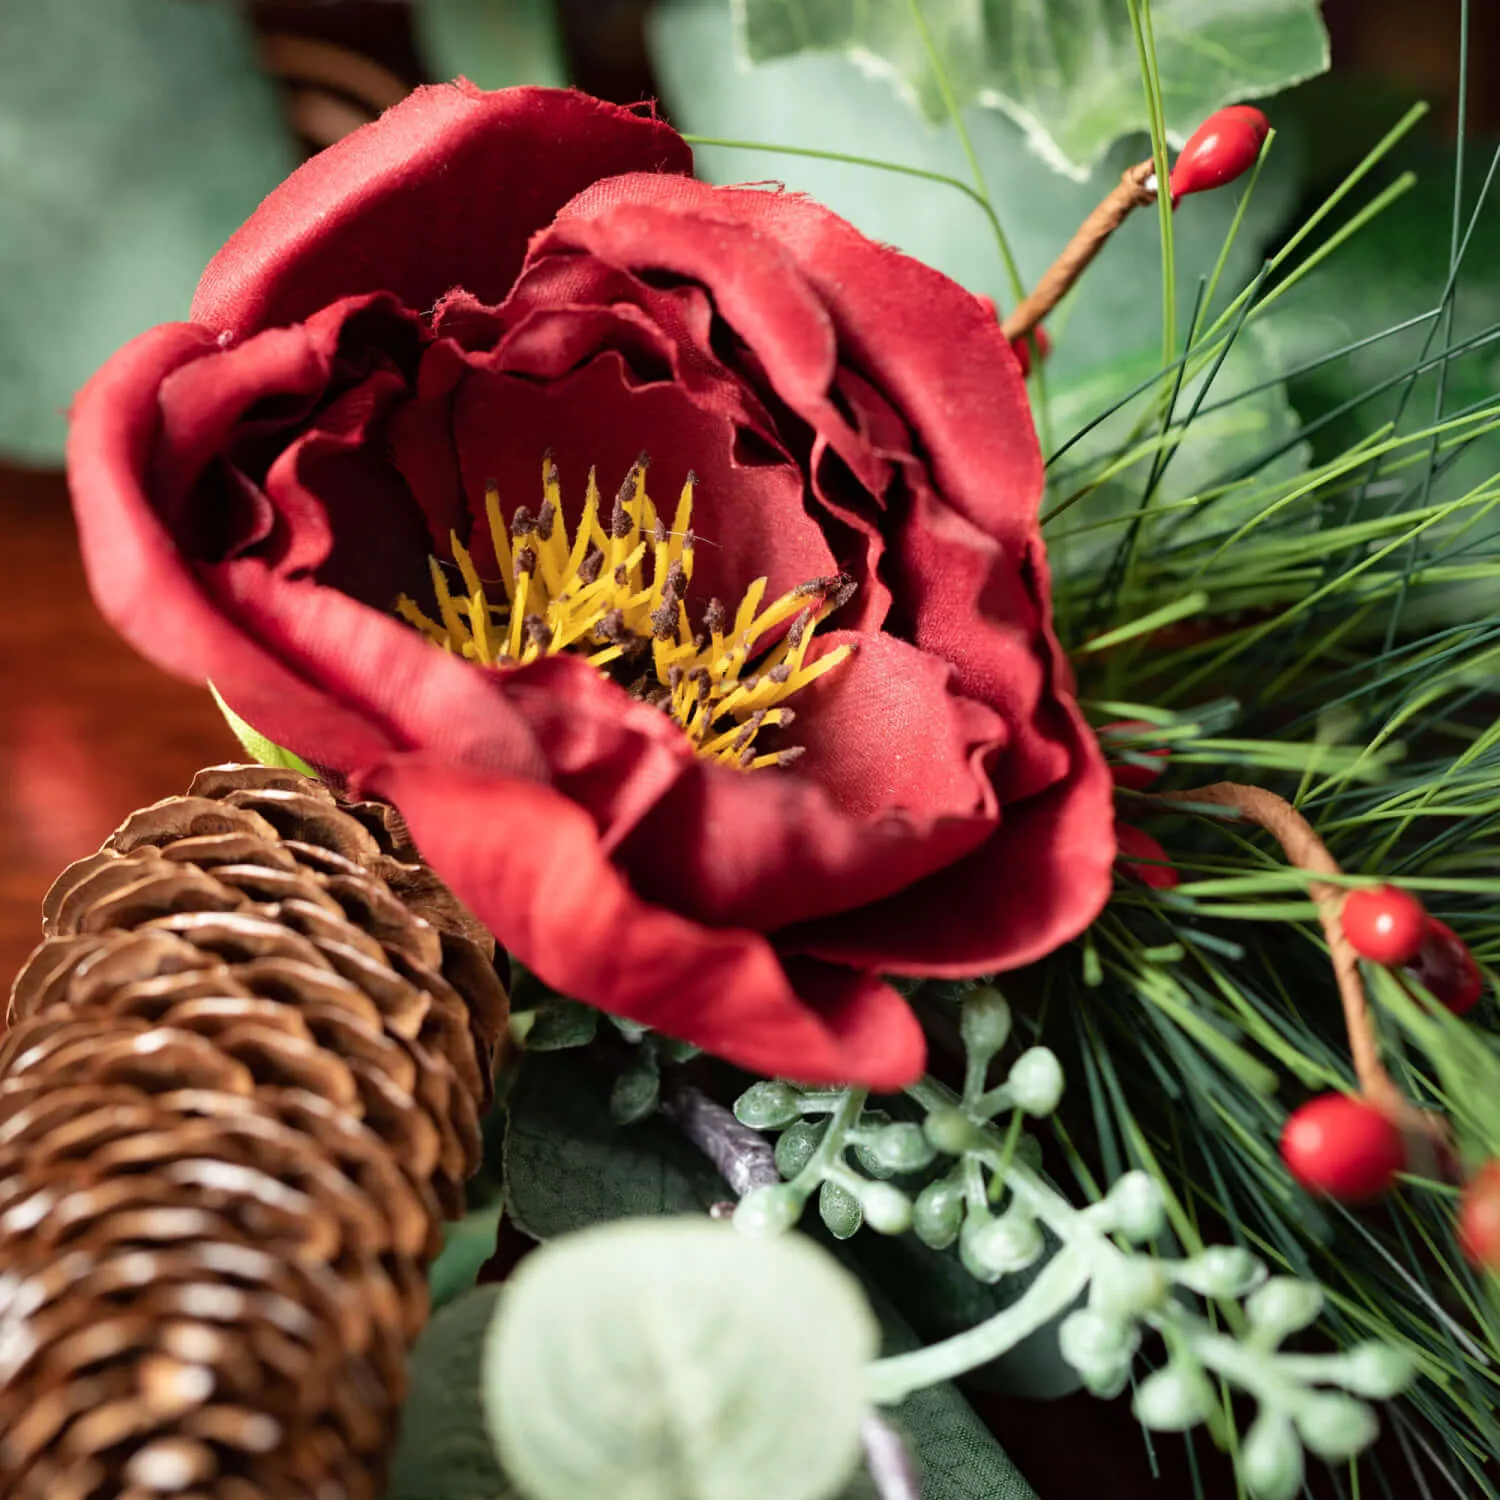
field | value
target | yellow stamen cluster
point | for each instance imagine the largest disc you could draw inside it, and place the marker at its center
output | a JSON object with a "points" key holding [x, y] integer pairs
{"points": [[614, 592]]}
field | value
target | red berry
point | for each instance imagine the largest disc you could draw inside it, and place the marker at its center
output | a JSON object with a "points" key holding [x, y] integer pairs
{"points": [[1479, 1217], [1383, 924], [1127, 773], [1219, 150], [1444, 965], [1342, 1148], [1022, 346], [1136, 844]]}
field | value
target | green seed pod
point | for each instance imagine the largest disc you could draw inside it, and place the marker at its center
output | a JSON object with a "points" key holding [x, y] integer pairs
{"points": [[950, 1130], [1128, 1287], [903, 1148], [1136, 1204], [1036, 1081], [887, 1209], [840, 1211], [938, 1213], [796, 1144], [1335, 1426], [1271, 1460], [767, 1106], [985, 1022], [1222, 1272], [1007, 1244], [1284, 1305], [1173, 1399], [768, 1210], [1377, 1371], [1095, 1345]]}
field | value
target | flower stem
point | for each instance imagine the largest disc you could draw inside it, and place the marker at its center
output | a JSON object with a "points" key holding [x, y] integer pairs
{"points": [[1058, 1285], [892, 1471], [744, 1158], [1302, 846]]}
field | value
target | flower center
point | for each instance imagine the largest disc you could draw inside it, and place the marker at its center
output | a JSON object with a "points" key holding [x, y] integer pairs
{"points": [[615, 593]]}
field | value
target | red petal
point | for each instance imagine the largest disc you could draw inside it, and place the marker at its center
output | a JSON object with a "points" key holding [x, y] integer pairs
{"points": [[528, 863], [444, 190], [891, 787]]}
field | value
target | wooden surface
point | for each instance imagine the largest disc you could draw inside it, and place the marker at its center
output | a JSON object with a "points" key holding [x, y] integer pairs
{"points": [[88, 730]]}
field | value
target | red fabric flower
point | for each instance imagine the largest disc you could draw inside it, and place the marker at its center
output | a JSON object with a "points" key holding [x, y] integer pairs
{"points": [[480, 278]]}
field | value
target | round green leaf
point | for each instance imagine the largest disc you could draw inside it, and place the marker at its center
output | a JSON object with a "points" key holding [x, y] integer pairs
{"points": [[444, 1452], [673, 1359]]}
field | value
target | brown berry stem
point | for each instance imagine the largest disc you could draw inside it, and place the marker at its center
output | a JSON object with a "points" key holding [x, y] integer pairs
{"points": [[1303, 847], [1129, 194]]}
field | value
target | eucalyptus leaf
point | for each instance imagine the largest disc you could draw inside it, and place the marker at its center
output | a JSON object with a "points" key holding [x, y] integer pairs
{"points": [[568, 1164], [1068, 71], [494, 43], [677, 1360], [135, 136], [444, 1451]]}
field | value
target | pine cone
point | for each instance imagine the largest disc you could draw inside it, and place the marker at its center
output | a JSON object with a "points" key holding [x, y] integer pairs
{"points": [[240, 1088]]}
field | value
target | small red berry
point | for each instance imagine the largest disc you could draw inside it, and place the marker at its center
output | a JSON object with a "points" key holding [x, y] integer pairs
{"points": [[1444, 965], [1342, 1148], [1022, 346], [1383, 924], [1136, 844], [1131, 774], [1479, 1217], [1225, 145]]}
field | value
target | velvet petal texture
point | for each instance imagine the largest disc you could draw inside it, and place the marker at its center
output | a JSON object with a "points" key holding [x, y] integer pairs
{"points": [[421, 312]]}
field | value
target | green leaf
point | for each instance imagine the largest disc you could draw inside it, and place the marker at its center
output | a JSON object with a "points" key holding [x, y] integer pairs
{"points": [[494, 43], [135, 136], [1111, 319], [1067, 71], [677, 1360], [559, 1024], [257, 746], [467, 1244], [568, 1164], [444, 1451]]}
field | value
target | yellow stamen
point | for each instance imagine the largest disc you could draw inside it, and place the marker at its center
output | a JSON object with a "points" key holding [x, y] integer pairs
{"points": [[616, 593]]}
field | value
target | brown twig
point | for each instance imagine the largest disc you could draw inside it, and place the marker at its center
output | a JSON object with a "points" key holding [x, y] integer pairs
{"points": [[1131, 193], [1303, 847]]}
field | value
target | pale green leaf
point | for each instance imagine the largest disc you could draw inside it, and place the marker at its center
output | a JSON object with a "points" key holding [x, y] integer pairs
{"points": [[677, 1360], [256, 745], [444, 1451], [135, 136], [494, 43], [1067, 71], [568, 1164]]}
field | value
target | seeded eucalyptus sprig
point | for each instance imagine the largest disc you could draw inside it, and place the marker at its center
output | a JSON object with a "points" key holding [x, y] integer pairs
{"points": [[1110, 1283]]}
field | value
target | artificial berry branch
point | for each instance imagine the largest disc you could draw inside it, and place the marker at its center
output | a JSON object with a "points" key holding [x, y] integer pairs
{"points": [[1303, 848], [1316, 1402], [1225, 146]]}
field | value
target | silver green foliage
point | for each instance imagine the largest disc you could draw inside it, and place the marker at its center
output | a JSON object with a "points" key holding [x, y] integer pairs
{"points": [[1110, 1281], [671, 1359]]}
